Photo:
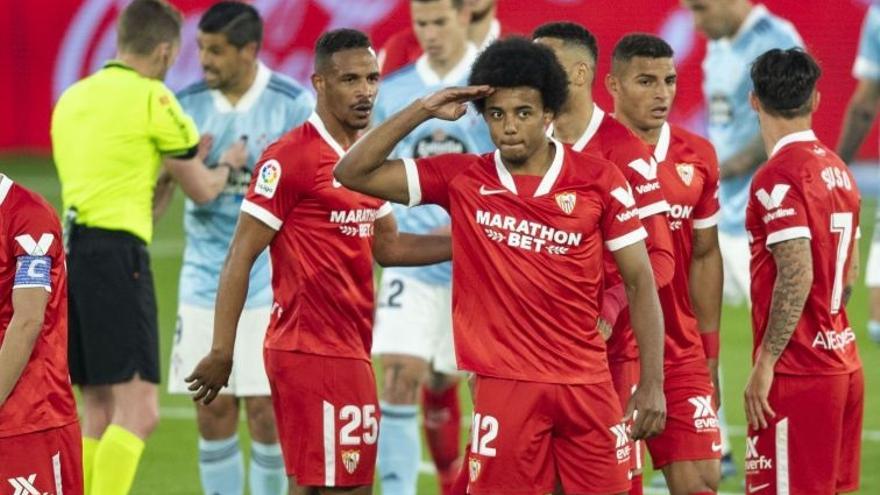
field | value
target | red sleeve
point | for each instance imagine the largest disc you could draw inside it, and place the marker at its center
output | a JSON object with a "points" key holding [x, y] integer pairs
{"points": [[278, 183], [708, 210], [428, 178], [640, 169], [620, 219], [779, 203]]}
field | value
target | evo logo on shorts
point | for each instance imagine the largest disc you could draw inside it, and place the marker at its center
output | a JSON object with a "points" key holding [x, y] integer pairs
{"points": [[754, 460], [25, 485], [622, 445], [704, 413]]}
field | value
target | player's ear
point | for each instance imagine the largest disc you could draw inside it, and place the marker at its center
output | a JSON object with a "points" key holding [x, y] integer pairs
{"points": [[611, 84], [318, 83], [251, 49], [815, 99], [754, 102]]}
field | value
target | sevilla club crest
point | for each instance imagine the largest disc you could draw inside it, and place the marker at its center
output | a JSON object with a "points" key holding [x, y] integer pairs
{"points": [[350, 459], [474, 467], [686, 172], [566, 202]]}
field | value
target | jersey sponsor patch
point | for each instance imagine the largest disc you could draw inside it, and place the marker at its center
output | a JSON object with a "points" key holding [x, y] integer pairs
{"points": [[267, 181], [33, 271], [35, 248]]}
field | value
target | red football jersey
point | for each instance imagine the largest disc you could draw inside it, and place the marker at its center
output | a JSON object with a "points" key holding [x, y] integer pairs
{"points": [[805, 191], [32, 255], [607, 138], [322, 263], [403, 48], [528, 267], [688, 171]]}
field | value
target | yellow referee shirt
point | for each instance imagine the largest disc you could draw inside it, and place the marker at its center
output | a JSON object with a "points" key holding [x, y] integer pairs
{"points": [[109, 133]]}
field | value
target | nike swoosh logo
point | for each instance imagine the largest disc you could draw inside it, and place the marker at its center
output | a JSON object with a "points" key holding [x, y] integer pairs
{"points": [[757, 488], [489, 192], [336, 184], [716, 447]]}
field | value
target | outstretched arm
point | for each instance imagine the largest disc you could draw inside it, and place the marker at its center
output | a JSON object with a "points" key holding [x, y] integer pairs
{"points": [[393, 248], [706, 281], [647, 323], [366, 168], [794, 277], [212, 373], [28, 310]]}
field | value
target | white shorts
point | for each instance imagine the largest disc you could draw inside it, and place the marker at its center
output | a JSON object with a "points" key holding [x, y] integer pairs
{"points": [[415, 319], [736, 257], [192, 342]]}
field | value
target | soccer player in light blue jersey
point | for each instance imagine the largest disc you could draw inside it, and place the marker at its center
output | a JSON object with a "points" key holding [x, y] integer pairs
{"points": [[238, 97], [859, 117], [413, 330], [738, 31]]}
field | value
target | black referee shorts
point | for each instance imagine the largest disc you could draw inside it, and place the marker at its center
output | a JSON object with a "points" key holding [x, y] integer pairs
{"points": [[113, 332]]}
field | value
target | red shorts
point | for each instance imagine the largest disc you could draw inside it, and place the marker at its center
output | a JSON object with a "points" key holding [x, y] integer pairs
{"points": [[525, 433], [47, 461], [327, 414], [813, 443], [692, 431], [625, 377]]}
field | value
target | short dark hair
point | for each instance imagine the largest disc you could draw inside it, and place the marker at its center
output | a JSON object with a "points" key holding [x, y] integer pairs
{"points": [[239, 21], [458, 4], [336, 41], [144, 24], [640, 45], [784, 81], [571, 34], [515, 62]]}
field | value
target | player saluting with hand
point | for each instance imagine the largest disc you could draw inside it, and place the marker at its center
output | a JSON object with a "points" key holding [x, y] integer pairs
{"points": [[529, 224]]}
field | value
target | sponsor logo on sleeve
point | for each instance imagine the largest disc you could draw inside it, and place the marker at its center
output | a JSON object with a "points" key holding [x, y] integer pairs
{"points": [[268, 179], [772, 202]]}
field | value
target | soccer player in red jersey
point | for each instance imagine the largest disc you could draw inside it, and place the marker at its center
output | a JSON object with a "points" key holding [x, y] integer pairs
{"points": [[40, 440], [320, 236], [643, 82], [403, 48], [588, 128], [805, 394], [530, 223]]}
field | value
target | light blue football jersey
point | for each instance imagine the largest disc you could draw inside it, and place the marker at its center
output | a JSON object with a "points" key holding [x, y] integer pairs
{"points": [[726, 86], [468, 134], [867, 65], [273, 105]]}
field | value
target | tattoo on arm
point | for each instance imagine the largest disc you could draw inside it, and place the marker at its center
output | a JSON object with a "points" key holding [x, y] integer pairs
{"points": [[794, 277]]}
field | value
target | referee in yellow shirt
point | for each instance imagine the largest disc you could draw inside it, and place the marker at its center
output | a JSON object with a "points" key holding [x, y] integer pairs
{"points": [[112, 132]]}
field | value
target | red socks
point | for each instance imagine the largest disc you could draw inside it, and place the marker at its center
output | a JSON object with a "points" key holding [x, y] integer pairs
{"points": [[442, 416]]}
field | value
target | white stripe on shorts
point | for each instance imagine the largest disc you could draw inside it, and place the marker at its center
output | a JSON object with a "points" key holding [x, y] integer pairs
{"points": [[56, 471], [782, 457], [329, 444]]}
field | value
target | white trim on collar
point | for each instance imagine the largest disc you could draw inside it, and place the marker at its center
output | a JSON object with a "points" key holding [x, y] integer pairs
{"points": [[5, 186], [249, 98], [316, 121], [592, 127], [794, 137], [454, 77], [547, 182], [662, 147]]}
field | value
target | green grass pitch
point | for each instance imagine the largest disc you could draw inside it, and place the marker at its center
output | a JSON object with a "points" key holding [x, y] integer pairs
{"points": [[169, 465]]}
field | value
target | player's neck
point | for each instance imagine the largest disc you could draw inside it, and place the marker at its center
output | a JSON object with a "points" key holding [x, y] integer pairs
{"points": [[774, 129], [142, 65], [341, 133], [479, 30], [650, 136], [443, 67], [235, 91], [537, 164], [572, 121]]}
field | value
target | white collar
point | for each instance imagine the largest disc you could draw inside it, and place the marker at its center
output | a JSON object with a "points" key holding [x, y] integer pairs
{"points": [[662, 147], [5, 186], [249, 98], [756, 14], [794, 137], [455, 76], [316, 121], [547, 181], [493, 34]]}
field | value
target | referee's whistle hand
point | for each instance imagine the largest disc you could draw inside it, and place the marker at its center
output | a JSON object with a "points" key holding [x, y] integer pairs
{"points": [[236, 155], [209, 377]]}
